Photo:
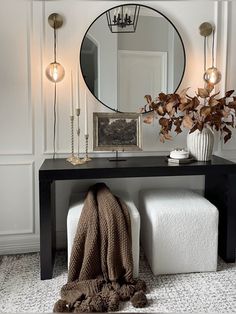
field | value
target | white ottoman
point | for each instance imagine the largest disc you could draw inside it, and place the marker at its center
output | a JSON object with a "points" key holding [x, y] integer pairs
{"points": [[75, 208], [179, 231]]}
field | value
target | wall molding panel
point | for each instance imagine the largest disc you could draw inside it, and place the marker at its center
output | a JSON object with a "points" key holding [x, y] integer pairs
{"points": [[17, 197], [16, 136], [26, 110], [223, 9]]}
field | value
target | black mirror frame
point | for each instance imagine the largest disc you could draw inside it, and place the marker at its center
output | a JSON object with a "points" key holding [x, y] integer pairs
{"points": [[141, 5]]}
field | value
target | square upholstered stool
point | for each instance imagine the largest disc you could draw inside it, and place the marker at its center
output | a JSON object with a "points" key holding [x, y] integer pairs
{"points": [[75, 209], [179, 231]]}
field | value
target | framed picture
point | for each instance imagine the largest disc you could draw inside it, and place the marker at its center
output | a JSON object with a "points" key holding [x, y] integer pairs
{"points": [[116, 131]]}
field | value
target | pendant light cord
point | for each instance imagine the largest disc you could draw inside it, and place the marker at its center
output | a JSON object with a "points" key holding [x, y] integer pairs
{"points": [[55, 94], [204, 54], [54, 119], [205, 39], [55, 41], [213, 48]]}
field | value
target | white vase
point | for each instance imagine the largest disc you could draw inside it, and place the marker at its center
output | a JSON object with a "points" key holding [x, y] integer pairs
{"points": [[200, 144]]}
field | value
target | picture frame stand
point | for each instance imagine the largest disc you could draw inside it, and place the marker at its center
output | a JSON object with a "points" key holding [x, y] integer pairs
{"points": [[117, 158]]}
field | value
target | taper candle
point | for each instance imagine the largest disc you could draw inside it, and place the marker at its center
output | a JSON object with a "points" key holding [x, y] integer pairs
{"points": [[72, 96], [85, 112], [78, 89]]}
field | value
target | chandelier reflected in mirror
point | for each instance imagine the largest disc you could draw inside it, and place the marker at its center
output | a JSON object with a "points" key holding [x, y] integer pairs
{"points": [[123, 19]]}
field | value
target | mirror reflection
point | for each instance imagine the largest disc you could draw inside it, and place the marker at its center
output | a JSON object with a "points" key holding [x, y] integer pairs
{"points": [[128, 52]]}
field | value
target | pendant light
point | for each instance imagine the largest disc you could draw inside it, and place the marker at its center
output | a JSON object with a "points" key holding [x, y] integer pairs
{"points": [[211, 75], [55, 71]]}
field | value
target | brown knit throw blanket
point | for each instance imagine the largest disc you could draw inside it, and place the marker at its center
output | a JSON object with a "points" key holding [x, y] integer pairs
{"points": [[101, 267]]}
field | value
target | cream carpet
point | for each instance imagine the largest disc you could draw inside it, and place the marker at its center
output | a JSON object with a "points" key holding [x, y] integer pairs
{"points": [[21, 290]]}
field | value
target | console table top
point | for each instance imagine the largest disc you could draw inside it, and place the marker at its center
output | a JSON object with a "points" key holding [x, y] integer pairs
{"points": [[143, 166]]}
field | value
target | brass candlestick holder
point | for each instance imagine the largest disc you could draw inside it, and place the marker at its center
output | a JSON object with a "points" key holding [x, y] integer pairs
{"points": [[79, 161], [86, 158], [75, 160], [71, 159]]}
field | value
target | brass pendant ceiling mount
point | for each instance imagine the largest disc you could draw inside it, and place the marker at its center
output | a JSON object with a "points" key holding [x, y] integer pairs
{"points": [[206, 29], [55, 20]]}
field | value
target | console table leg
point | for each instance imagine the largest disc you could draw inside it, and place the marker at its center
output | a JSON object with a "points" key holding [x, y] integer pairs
{"points": [[221, 191], [47, 228]]}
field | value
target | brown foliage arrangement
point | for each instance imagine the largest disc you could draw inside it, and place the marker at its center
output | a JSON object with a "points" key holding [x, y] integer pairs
{"points": [[194, 113]]}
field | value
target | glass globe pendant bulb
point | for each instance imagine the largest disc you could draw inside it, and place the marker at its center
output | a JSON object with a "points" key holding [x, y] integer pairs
{"points": [[55, 72], [212, 76]]}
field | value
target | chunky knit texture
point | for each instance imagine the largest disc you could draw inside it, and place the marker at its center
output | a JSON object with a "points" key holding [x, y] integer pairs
{"points": [[101, 267]]}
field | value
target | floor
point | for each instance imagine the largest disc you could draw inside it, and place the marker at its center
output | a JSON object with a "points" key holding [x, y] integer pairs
{"points": [[21, 290]]}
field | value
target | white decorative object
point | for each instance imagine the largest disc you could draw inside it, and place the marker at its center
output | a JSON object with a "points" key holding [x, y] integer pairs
{"points": [[200, 144], [179, 153], [179, 231], [75, 209], [78, 89]]}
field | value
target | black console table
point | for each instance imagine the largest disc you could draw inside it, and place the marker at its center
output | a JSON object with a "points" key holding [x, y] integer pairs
{"points": [[220, 189]]}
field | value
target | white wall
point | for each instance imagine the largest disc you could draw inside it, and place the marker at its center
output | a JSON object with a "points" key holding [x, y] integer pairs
{"points": [[26, 102]]}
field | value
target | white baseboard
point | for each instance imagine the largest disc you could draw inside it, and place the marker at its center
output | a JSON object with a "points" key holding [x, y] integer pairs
{"points": [[28, 243], [19, 244]]}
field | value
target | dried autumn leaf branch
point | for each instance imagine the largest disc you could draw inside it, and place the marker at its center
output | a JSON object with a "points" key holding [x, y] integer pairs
{"points": [[194, 113]]}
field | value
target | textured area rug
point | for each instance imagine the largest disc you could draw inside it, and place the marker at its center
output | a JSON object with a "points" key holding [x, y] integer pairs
{"points": [[21, 290]]}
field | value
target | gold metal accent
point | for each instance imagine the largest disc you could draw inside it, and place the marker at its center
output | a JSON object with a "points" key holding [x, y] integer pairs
{"points": [[72, 157], [206, 29], [74, 160], [86, 158], [79, 161], [77, 112], [55, 20]]}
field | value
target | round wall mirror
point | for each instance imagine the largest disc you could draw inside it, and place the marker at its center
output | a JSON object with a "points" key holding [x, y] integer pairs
{"points": [[128, 52]]}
